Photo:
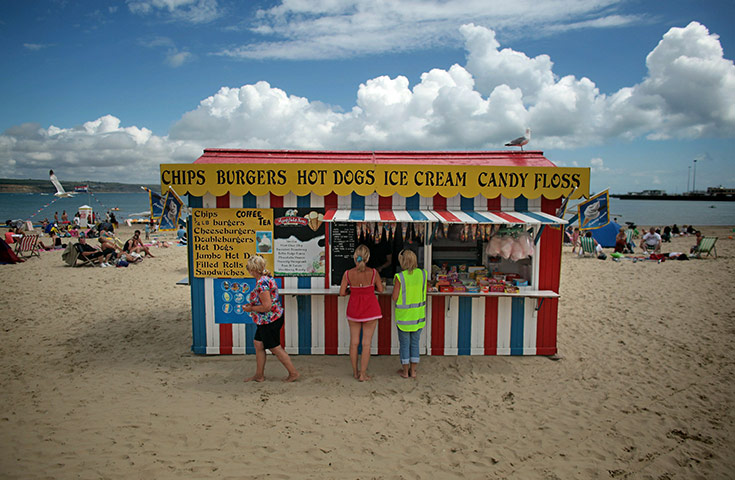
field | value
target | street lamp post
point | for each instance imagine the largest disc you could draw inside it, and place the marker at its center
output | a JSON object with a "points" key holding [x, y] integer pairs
{"points": [[689, 177], [694, 177]]}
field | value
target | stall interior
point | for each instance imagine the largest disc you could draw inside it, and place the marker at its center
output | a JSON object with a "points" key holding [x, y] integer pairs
{"points": [[385, 241], [462, 257]]}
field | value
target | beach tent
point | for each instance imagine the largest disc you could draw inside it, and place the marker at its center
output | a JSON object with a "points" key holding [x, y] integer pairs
{"points": [[7, 256], [605, 236], [85, 216]]}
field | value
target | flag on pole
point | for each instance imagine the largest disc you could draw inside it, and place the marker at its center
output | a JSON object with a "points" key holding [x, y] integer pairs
{"points": [[595, 212], [156, 202], [563, 208], [169, 219]]}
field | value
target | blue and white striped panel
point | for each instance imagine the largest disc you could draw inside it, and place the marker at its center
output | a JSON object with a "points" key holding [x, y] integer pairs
{"points": [[291, 200], [212, 329], [504, 322], [451, 325], [455, 203], [477, 345], [304, 324], [371, 201], [464, 326], [516, 326]]}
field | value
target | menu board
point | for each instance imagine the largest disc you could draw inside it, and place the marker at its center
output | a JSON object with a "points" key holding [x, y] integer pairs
{"points": [[343, 243], [224, 238], [298, 236]]}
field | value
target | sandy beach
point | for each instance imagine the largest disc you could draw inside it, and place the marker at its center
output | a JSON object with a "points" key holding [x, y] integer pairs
{"points": [[98, 381]]}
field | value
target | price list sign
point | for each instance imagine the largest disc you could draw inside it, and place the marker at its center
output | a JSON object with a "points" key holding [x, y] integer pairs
{"points": [[224, 238]]}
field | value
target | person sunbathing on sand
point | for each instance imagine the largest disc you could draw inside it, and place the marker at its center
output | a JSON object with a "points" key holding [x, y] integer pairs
{"points": [[91, 253], [135, 245]]}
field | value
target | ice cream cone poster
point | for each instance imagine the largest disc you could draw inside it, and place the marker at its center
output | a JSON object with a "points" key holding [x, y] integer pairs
{"points": [[299, 245], [594, 213]]}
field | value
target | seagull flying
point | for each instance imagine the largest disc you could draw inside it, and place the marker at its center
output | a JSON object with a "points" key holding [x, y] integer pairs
{"points": [[59, 189], [520, 141]]}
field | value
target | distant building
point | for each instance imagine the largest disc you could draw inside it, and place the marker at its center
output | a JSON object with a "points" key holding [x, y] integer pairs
{"points": [[649, 193], [720, 191]]}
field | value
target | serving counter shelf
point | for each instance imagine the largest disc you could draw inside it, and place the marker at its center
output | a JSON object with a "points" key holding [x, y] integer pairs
{"points": [[389, 290]]}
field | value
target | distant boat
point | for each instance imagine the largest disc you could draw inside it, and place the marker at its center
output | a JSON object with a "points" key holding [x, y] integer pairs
{"points": [[81, 189]]}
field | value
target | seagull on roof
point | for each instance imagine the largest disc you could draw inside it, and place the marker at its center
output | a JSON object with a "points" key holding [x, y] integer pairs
{"points": [[520, 141], [60, 192]]}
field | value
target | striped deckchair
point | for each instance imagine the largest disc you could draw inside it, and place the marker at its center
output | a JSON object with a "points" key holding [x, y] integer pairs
{"points": [[28, 246], [706, 245], [587, 245]]}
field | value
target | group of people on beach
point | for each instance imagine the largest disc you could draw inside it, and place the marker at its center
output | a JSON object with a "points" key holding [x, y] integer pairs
{"points": [[650, 242], [362, 284], [110, 253], [77, 219]]}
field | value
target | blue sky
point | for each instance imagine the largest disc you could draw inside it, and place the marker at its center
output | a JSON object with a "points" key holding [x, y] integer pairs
{"points": [[109, 90]]}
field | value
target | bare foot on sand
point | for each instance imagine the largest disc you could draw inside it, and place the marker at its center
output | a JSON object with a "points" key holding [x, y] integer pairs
{"points": [[254, 378], [292, 377], [414, 374], [364, 377], [356, 375], [402, 373]]}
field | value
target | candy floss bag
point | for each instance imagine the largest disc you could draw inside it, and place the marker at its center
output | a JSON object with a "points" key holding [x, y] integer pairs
{"points": [[527, 242]]}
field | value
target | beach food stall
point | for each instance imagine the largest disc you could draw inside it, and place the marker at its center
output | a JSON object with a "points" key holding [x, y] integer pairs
{"points": [[484, 224]]}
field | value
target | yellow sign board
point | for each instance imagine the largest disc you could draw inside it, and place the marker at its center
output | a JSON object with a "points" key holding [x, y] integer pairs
{"points": [[385, 179], [224, 238]]}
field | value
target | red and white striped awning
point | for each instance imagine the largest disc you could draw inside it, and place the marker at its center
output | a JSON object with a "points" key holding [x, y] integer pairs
{"points": [[497, 217], [443, 216], [385, 215]]}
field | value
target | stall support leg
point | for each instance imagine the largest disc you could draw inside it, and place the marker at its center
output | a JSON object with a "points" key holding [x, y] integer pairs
{"points": [[539, 302]]}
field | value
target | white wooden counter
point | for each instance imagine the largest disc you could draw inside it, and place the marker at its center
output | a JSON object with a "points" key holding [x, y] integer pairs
{"points": [[389, 290]]}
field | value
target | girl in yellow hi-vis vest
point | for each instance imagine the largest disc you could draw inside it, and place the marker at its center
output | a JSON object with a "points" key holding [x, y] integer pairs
{"points": [[409, 295]]}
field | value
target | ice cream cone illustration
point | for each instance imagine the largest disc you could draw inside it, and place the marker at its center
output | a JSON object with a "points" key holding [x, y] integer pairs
{"points": [[314, 220]]}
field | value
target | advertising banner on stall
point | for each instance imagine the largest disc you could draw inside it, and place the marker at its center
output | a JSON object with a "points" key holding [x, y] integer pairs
{"points": [[383, 179], [224, 238], [230, 296], [299, 245], [594, 213]]}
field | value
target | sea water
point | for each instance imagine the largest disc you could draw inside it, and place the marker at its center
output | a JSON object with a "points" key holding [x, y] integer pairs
{"points": [[37, 207], [670, 212], [641, 212]]}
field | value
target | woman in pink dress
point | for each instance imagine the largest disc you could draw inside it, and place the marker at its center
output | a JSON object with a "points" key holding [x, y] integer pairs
{"points": [[363, 310]]}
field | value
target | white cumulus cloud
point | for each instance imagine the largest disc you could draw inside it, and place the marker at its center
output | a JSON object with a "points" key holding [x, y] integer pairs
{"points": [[688, 92], [98, 149], [193, 11], [318, 29]]}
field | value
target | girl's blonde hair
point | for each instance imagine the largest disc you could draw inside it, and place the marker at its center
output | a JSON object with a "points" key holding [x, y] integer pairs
{"points": [[408, 260], [256, 264], [361, 257]]}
